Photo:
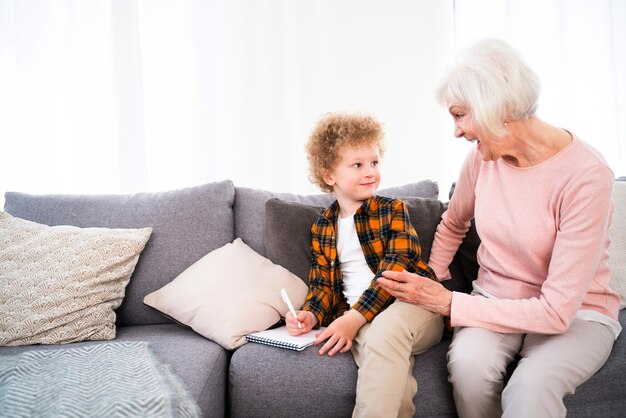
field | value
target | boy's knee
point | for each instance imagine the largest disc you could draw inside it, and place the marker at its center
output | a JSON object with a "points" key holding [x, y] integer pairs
{"points": [[394, 323], [428, 334], [382, 333], [405, 337]]}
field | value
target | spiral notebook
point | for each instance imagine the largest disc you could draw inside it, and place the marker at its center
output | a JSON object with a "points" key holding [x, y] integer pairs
{"points": [[279, 337]]}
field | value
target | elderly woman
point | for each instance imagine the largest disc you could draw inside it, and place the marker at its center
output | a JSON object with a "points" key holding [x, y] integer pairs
{"points": [[541, 200]]}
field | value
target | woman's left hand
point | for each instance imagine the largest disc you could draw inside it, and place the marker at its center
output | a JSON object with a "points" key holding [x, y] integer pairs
{"points": [[418, 290]]}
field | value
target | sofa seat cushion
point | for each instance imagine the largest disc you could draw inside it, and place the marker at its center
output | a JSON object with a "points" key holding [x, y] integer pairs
{"points": [[261, 378], [200, 364], [187, 224]]}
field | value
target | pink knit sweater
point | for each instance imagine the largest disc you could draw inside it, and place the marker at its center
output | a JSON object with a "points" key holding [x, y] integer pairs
{"points": [[544, 239]]}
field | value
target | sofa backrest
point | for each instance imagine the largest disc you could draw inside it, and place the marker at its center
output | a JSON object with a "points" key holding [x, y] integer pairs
{"points": [[187, 224]]}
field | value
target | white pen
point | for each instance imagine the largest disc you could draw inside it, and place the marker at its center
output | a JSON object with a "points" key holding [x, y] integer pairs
{"points": [[283, 293]]}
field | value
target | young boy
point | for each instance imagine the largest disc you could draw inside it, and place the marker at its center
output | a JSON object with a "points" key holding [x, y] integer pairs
{"points": [[357, 238]]}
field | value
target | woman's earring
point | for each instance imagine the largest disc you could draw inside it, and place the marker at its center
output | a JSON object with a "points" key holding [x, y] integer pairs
{"points": [[506, 123]]}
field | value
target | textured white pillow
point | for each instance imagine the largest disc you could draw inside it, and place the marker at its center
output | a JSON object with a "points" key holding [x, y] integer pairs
{"points": [[617, 249], [61, 284], [228, 293]]}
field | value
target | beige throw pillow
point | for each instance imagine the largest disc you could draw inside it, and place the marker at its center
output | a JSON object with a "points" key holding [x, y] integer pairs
{"points": [[61, 284], [230, 292]]}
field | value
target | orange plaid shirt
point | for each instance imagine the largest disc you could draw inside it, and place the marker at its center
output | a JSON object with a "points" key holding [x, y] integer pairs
{"points": [[388, 241]]}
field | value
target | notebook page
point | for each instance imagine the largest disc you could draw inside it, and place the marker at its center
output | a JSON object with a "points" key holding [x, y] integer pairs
{"points": [[279, 337]]}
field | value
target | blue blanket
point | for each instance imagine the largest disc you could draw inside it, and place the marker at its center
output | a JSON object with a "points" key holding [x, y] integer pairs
{"points": [[100, 380]]}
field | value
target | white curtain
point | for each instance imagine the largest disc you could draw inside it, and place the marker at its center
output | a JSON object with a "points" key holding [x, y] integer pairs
{"points": [[578, 48], [115, 96]]}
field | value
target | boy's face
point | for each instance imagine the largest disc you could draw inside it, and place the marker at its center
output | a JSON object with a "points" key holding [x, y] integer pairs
{"points": [[356, 176]]}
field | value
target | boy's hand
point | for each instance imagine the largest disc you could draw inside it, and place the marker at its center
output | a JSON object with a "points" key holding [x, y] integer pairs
{"points": [[306, 318], [340, 333]]}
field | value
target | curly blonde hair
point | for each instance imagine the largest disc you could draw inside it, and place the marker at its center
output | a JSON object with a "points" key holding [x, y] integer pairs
{"points": [[333, 132]]}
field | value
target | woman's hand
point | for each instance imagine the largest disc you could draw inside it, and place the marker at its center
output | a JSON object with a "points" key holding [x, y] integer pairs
{"points": [[306, 319], [340, 333], [418, 290]]}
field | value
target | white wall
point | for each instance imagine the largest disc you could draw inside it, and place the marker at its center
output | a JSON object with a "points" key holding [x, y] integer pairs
{"points": [[116, 96]]}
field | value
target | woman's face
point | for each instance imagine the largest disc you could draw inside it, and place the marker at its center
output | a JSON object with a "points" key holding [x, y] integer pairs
{"points": [[465, 127]]}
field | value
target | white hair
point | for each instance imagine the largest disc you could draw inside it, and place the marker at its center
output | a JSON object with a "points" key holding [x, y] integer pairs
{"points": [[494, 82]]}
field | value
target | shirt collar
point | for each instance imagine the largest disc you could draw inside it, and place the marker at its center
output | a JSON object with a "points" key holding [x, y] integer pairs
{"points": [[332, 213]]}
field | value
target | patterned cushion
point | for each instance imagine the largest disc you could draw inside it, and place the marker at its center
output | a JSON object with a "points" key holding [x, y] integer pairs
{"points": [[617, 250], [60, 284]]}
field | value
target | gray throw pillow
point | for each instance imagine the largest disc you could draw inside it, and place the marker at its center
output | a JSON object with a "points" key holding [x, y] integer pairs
{"points": [[288, 234], [288, 230]]}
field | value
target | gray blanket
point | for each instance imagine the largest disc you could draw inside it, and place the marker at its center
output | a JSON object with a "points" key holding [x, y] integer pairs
{"points": [[102, 380]]}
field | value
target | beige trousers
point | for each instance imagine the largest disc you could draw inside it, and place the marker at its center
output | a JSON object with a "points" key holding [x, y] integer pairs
{"points": [[383, 350], [551, 367]]}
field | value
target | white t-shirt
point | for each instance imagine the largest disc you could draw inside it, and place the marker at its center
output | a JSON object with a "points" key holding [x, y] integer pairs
{"points": [[357, 275]]}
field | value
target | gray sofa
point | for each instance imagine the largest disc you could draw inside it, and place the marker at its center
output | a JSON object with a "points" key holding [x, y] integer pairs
{"points": [[256, 380]]}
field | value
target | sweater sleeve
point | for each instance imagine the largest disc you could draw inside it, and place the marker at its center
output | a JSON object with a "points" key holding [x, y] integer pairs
{"points": [[455, 221], [583, 218]]}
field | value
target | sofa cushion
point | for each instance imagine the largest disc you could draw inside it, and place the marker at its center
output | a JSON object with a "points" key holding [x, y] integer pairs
{"points": [[288, 234], [255, 385], [230, 292], [61, 284], [261, 376], [617, 249], [201, 364], [425, 215], [250, 207], [288, 230], [249, 212], [187, 224]]}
